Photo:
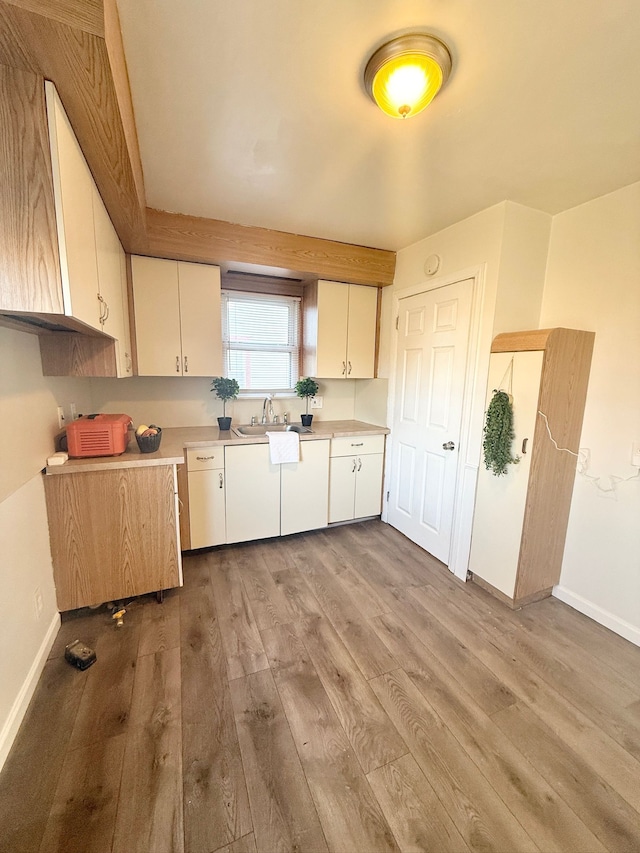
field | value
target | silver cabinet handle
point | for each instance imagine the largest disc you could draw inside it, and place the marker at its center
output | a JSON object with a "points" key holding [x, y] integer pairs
{"points": [[186, 364], [448, 445], [104, 312], [204, 458], [353, 470], [344, 368], [524, 445], [221, 481], [359, 463], [177, 364], [357, 444], [349, 369]]}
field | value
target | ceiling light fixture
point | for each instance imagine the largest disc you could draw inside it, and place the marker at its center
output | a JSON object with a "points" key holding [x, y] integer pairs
{"points": [[405, 74]]}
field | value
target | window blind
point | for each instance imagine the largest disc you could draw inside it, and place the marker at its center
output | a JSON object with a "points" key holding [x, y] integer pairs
{"points": [[261, 340]]}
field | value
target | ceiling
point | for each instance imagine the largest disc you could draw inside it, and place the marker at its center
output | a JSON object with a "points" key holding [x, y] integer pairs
{"points": [[254, 112]]}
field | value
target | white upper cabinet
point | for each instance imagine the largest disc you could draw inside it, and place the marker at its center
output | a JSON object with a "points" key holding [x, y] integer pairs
{"points": [[112, 285], [340, 330], [177, 317], [92, 260], [73, 193]]}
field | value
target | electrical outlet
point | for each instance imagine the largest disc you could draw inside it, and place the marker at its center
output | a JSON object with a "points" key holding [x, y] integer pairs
{"points": [[38, 602], [316, 402], [584, 460], [72, 411], [60, 417]]}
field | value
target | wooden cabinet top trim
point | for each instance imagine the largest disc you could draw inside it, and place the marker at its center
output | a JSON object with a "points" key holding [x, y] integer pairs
{"points": [[535, 339]]}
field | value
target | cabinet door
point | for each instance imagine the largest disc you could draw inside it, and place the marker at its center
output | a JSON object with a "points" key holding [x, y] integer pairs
{"points": [[304, 489], [125, 360], [368, 499], [342, 488], [500, 501], [333, 310], [361, 334], [73, 192], [200, 319], [252, 493], [157, 316], [207, 508], [113, 533], [112, 285]]}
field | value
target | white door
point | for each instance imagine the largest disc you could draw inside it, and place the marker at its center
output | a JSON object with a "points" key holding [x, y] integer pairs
{"points": [[433, 332]]}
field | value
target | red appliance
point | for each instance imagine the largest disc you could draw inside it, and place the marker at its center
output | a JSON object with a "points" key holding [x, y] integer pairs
{"points": [[98, 435]]}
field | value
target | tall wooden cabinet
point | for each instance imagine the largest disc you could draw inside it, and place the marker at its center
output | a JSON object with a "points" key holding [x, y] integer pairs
{"points": [[177, 317], [340, 330], [520, 518]]}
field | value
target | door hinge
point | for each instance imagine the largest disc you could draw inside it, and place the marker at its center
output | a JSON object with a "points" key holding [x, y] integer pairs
{"points": [[397, 322]]}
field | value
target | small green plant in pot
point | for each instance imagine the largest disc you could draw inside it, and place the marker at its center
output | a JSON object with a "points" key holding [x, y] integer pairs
{"points": [[226, 389], [306, 388]]}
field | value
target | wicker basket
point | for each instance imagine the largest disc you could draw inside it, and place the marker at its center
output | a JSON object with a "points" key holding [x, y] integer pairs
{"points": [[149, 443]]}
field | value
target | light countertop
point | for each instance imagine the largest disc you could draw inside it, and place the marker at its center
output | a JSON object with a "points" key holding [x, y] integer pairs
{"points": [[176, 439]]}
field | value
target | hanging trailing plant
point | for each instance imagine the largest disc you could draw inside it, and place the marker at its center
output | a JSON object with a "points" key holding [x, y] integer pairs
{"points": [[499, 434]]}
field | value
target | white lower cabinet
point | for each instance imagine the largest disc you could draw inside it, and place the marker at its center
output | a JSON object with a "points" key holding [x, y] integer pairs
{"points": [[265, 500], [355, 477], [304, 489], [206, 477], [253, 492]]}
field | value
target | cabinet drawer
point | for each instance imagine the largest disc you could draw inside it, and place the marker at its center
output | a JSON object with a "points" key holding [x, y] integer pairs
{"points": [[204, 458], [357, 445]]}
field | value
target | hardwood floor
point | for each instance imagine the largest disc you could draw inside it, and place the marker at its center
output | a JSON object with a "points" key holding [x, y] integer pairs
{"points": [[331, 691]]}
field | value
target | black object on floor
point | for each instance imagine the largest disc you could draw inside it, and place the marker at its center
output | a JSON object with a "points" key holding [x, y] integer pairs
{"points": [[79, 655]]}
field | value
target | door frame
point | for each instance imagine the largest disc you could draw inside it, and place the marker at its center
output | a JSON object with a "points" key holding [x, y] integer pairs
{"points": [[472, 412]]}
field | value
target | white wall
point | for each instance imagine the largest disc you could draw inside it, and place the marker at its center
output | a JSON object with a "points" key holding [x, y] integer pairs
{"points": [[184, 401], [593, 282], [28, 404], [25, 638]]}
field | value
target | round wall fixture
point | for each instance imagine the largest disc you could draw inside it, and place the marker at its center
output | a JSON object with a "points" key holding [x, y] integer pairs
{"points": [[432, 264], [405, 74]]}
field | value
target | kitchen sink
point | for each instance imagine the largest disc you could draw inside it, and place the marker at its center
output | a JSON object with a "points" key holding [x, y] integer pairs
{"points": [[247, 430]]}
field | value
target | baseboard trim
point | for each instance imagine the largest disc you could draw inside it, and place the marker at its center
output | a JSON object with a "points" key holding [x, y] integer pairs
{"points": [[598, 614], [19, 707]]}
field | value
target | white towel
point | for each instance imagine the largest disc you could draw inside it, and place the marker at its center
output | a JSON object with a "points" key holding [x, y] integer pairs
{"points": [[284, 447]]}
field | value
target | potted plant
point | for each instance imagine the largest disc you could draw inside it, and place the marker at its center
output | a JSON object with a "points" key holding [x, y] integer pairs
{"points": [[226, 389], [306, 388]]}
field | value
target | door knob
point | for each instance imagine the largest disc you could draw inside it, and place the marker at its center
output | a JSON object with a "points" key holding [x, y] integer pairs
{"points": [[448, 445]]}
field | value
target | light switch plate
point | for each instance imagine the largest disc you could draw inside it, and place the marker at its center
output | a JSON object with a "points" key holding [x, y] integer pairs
{"points": [[316, 402]]}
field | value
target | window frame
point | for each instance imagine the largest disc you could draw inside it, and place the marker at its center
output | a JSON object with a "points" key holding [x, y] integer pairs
{"points": [[295, 349]]}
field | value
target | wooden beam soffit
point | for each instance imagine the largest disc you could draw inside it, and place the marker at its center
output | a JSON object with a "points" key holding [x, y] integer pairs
{"points": [[192, 238], [79, 64]]}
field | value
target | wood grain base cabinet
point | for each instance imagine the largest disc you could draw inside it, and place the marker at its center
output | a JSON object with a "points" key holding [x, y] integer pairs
{"points": [[520, 519], [114, 534]]}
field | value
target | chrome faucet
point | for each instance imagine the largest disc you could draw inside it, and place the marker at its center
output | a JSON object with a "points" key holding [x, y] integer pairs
{"points": [[268, 399]]}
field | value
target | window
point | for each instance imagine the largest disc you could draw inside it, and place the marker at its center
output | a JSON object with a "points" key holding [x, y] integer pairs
{"points": [[261, 340]]}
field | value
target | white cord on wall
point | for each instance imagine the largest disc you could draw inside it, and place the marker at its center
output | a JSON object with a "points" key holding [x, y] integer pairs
{"points": [[613, 480]]}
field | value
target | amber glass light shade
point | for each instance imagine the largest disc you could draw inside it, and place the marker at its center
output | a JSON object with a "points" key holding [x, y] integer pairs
{"points": [[405, 74]]}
